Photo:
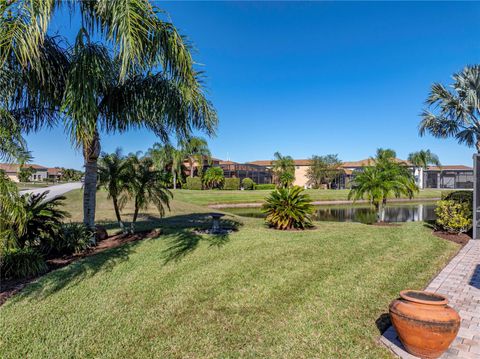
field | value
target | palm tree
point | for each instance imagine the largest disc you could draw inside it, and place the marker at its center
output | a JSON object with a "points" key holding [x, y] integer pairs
{"points": [[168, 157], [284, 169], [423, 158], [379, 182], [142, 77], [114, 173], [196, 151], [147, 186], [455, 112], [213, 178]]}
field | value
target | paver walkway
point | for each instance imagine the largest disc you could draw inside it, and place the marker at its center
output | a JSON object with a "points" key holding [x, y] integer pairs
{"points": [[460, 282]]}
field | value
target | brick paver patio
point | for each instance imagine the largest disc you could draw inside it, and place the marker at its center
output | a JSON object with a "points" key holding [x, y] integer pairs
{"points": [[460, 282]]}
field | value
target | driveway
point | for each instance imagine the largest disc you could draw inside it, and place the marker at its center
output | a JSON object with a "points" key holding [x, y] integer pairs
{"points": [[56, 190]]}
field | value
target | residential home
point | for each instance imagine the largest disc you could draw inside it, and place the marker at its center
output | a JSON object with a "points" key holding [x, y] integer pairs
{"points": [[40, 172]]}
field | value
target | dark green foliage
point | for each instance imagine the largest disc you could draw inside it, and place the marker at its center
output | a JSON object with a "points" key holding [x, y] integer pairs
{"points": [[323, 170], [248, 184], [288, 208], [194, 183], [72, 238], [213, 178], [70, 174], [231, 184], [265, 186], [459, 197], [21, 263]]}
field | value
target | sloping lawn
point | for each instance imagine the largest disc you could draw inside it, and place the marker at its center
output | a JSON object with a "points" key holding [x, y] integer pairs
{"points": [[224, 197], [256, 293]]}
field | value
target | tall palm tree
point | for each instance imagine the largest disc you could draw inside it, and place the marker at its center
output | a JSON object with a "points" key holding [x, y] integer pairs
{"points": [[114, 173], [284, 169], [455, 112], [146, 186], [423, 158], [170, 158], [196, 151], [142, 75]]}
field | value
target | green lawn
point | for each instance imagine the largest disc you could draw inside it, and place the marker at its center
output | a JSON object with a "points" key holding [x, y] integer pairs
{"points": [[221, 197], [22, 186], [256, 293]]}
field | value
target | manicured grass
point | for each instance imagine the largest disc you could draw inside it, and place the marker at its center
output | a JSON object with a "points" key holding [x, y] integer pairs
{"points": [[256, 293], [220, 197], [23, 186]]}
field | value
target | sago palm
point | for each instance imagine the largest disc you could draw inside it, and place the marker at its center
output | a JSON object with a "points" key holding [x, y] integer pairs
{"points": [[455, 111], [114, 172]]}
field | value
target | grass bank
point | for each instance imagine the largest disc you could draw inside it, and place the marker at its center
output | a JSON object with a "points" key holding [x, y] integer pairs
{"points": [[255, 293], [228, 197]]}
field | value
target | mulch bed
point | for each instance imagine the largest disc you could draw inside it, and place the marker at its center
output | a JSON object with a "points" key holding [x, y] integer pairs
{"points": [[11, 287], [461, 238]]}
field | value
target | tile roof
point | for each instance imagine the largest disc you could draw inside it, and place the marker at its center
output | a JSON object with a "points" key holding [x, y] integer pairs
{"points": [[450, 167], [13, 167]]}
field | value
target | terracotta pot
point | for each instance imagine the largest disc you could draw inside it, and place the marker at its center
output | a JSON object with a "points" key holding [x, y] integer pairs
{"points": [[425, 324]]}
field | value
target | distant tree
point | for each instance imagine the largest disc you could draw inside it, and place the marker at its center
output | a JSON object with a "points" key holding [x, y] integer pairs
{"points": [[385, 155], [169, 158], [423, 159], [147, 185], [283, 169], [213, 178], [25, 173], [71, 174], [323, 170], [196, 151], [384, 179], [114, 172], [455, 112]]}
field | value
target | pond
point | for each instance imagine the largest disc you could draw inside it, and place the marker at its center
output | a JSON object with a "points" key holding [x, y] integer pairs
{"points": [[394, 212]]}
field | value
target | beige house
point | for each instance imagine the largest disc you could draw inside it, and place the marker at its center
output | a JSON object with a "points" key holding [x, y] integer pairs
{"points": [[40, 174]]}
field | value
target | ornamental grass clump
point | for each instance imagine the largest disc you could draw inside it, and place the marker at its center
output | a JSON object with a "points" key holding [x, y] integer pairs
{"points": [[288, 208]]}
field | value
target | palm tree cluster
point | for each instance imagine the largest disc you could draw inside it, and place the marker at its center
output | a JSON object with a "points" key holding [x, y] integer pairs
{"points": [[136, 179], [137, 73], [385, 177]]}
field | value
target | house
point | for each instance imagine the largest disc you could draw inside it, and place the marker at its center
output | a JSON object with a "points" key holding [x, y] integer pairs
{"points": [[448, 176], [55, 174], [40, 173]]}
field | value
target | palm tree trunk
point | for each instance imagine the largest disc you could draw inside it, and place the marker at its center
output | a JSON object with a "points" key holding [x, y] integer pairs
{"points": [[478, 145], [191, 167], [135, 215], [118, 215], [91, 152], [174, 180]]}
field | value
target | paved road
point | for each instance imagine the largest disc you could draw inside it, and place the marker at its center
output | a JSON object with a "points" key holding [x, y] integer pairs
{"points": [[56, 190]]}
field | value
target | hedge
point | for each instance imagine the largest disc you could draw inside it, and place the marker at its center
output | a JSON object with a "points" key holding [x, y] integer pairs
{"points": [[248, 184], [231, 183], [459, 197], [194, 183]]}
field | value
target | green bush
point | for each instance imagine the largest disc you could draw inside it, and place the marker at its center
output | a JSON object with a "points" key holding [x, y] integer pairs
{"points": [[213, 178], [453, 217], [288, 208], [459, 197], [21, 262], [248, 184], [265, 186], [194, 183], [231, 183], [72, 238]]}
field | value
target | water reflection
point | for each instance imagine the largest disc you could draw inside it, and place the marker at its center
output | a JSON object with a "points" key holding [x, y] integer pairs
{"points": [[398, 212]]}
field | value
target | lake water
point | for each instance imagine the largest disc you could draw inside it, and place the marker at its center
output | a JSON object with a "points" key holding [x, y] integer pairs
{"points": [[394, 212]]}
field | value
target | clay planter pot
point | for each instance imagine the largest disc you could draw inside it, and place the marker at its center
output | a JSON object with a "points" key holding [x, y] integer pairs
{"points": [[424, 322]]}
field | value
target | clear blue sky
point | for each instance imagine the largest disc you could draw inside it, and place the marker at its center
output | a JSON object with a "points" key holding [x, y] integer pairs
{"points": [[311, 78]]}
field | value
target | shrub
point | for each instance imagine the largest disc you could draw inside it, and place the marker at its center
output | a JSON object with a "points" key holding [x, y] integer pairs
{"points": [[21, 263], [231, 183], [459, 197], [213, 178], [288, 208], [72, 238], [265, 186], [453, 217], [194, 183], [248, 184]]}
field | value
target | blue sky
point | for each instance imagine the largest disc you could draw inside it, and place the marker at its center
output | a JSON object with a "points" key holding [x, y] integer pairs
{"points": [[310, 78]]}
